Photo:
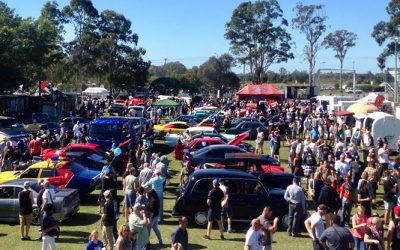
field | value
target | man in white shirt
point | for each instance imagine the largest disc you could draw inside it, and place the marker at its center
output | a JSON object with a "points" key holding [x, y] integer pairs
{"points": [[48, 196], [315, 227], [342, 166], [383, 157], [254, 236]]}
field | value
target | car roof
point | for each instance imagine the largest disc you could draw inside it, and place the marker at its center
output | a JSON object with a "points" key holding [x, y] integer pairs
{"points": [[176, 122], [110, 120], [246, 156], [222, 173], [201, 128], [206, 139], [19, 182], [83, 145]]}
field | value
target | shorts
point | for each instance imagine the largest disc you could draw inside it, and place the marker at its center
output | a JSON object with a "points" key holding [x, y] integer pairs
{"points": [[25, 219], [388, 205], [275, 150], [129, 198], [226, 212], [213, 215]]}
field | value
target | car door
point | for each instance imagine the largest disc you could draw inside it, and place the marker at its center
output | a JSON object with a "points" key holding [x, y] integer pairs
{"points": [[198, 197], [237, 200], [255, 197], [9, 209], [52, 175]]}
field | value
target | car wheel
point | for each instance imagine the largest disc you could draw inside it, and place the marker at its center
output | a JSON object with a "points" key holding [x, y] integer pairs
{"points": [[200, 218], [36, 217]]}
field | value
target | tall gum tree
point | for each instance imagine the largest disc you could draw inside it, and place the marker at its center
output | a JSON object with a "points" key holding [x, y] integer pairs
{"points": [[258, 37], [311, 23], [340, 41]]}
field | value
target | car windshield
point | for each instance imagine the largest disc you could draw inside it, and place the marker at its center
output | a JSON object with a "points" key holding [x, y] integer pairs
{"points": [[36, 188], [102, 151], [96, 157], [76, 167], [105, 131], [9, 123], [135, 121]]}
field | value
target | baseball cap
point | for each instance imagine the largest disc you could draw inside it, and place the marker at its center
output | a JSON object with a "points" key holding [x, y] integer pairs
{"points": [[216, 181], [27, 184]]}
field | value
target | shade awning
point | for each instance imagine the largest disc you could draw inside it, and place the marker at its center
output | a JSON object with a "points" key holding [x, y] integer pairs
{"points": [[259, 90], [166, 103], [96, 91], [362, 108], [344, 113]]}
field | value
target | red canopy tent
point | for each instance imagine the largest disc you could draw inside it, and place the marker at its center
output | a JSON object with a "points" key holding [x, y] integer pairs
{"points": [[260, 91]]}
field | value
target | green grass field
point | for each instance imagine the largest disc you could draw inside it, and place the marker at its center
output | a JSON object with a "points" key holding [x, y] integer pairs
{"points": [[75, 231]]}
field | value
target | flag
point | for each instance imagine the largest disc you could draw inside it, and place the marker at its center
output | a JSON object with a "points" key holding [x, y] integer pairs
{"points": [[43, 85], [379, 100]]}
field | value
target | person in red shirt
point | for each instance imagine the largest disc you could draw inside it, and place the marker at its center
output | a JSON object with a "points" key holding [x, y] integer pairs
{"points": [[35, 147], [347, 196]]}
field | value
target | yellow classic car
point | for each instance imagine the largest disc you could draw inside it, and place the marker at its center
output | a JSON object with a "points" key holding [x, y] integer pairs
{"points": [[40, 170], [171, 127]]}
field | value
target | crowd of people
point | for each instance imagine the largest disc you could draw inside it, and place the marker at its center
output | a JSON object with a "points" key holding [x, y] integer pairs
{"points": [[323, 155]]}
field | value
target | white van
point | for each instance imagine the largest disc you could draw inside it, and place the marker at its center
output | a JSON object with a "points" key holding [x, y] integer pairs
{"points": [[381, 125]]}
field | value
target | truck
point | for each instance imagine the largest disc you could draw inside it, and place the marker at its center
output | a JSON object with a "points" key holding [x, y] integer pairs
{"points": [[102, 130]]}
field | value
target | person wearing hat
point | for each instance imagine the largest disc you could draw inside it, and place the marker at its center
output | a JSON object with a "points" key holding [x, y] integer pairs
{"points": [[373, 237], [26, 201], [48, 196], [108, 220], [214, 199], [294, 195], [393, 237]]}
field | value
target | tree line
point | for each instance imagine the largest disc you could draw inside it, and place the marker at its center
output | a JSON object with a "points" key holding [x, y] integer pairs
{"points": [[105, 48]]}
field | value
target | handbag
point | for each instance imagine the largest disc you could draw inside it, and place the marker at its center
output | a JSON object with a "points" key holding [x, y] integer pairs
{"points": [[311, 191], [50, 206]]}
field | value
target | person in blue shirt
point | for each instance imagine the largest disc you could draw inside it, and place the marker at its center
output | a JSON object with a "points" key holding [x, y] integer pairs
{"points": [[314, 133], [157, 183], [180, 234], [94, 242]]}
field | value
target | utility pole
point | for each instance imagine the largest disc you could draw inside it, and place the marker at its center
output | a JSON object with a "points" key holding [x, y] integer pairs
{"points": [[244, 73], [395, 98], [354, 82]]}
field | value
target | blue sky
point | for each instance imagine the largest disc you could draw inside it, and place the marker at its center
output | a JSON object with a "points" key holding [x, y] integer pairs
{"points": [[190, 31]]}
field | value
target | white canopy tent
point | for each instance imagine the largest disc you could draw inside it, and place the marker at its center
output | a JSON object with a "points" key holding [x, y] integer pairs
{"points": [[96, 91]]}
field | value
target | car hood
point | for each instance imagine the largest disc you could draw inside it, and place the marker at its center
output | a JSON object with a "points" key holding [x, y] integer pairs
{"points": [[158, 127], [238, 139], [9, 175], [14, 131], [89, 173]]}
